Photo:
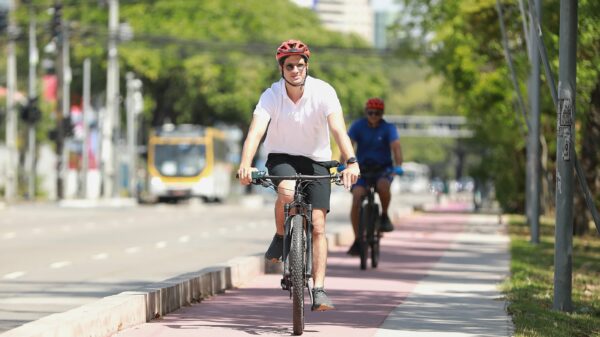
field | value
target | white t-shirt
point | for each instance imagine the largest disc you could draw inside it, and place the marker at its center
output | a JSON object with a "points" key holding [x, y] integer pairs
{"points": [[301, 128]]}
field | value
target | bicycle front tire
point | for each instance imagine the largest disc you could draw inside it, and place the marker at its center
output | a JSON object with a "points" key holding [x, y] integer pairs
{"points": [[376, 226], [297, 258], [363, 245]]}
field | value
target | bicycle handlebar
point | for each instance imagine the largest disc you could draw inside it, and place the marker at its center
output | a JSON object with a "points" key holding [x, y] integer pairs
{"points": [[264, 175]]}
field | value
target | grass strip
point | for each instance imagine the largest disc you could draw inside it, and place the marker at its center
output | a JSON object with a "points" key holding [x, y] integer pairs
{"points": [[530, 289]]}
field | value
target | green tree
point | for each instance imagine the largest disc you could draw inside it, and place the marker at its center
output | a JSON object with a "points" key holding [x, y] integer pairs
{"points": [[208, 61], [460, 40]]}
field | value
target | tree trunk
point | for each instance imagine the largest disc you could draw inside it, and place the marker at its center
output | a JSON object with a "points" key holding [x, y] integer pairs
{"points": [[589, 159]]}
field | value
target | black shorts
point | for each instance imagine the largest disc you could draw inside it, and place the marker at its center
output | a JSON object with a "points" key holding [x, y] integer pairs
{"points": [[317, 192]]}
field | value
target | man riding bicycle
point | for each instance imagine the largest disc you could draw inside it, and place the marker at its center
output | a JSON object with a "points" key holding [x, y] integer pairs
{"points": [[299, 112], [375, 141]]}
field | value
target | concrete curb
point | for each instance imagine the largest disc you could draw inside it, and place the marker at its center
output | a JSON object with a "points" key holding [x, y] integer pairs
{"points": [[127, 309]]}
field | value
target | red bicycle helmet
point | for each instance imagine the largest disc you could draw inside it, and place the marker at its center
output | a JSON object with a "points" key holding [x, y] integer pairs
{"points": [[375, 104], [292, 47]]}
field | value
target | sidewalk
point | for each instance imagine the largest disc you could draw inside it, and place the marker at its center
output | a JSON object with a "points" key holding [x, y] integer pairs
{"points": [[438, 276]]}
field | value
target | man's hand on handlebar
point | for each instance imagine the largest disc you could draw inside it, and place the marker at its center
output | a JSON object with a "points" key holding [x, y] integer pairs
{"points": [[398, 170], [350, 175], [245, 174]]}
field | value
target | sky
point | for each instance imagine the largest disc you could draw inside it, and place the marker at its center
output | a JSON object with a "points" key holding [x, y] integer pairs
{"points": [[377, 4]]}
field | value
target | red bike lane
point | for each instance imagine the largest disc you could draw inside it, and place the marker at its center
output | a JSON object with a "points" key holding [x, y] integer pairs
{"points": [[363, 299]]}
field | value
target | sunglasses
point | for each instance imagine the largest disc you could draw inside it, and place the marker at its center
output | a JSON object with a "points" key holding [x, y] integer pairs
{"points": [[290, 67], [375, 112]]}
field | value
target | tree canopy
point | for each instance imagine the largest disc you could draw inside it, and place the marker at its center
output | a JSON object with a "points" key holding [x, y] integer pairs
{"points": [[461, 41], [208, 61]]}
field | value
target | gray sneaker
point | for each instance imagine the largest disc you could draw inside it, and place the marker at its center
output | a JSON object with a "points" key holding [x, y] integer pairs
{"points": [[275, 251], [320, 300]]}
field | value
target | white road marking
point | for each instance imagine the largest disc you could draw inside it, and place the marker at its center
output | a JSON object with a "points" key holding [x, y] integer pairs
{"points": [[66, 228], [223, 231], [37, 231], [9, 235], [59, 264], [184, 239], [252, 224], [14, 275], [204, 235], [239, 228], [132, 250], [161, 244], [100, 256]]}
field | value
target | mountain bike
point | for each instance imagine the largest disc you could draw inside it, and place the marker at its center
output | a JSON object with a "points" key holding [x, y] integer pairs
{"points": [[297, 238], [369, 233]]}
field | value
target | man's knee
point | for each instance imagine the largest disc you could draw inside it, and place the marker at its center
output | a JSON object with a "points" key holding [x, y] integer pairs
{"points": [[383, 186], [358, 192], [285, 193], [318, 220]]}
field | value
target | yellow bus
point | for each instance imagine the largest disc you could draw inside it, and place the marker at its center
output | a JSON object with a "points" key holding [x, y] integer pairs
{"points": [[187, 161]]}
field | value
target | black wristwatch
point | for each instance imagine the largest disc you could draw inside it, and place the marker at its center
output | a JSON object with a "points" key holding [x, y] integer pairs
{"points": [[351, 160]]}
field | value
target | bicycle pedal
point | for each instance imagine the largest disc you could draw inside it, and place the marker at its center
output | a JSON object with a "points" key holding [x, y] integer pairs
{"points": [[285, 284]]}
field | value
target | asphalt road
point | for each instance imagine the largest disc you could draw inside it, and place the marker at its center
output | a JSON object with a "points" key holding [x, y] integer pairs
{"points": [[53, 259]]}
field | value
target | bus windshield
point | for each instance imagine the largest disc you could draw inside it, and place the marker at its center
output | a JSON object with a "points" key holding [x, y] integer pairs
{"points": [[179, 160]]}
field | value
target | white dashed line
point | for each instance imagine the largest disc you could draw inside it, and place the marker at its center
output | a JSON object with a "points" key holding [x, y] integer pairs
{"points": [[59, 264], [132, 250], [66, 228], [222, 231], [100, 256], [204, 235], [239, 228], [252, 224], [9, 235], [12, 276], [184, 239], [161, 244], [37, 231]]}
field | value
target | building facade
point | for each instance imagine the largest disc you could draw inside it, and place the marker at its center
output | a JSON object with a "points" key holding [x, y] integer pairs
{"points": [[345, 16]]}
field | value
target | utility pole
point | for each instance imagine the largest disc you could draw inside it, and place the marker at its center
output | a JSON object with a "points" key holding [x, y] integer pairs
{"points": [[533, 177], [33, 112], [112, 103], [86, 127], [67, 126], [565, 156], [10, 190], [57, 33], [134, 108]]}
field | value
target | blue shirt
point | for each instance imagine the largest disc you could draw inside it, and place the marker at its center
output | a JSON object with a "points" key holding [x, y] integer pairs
{"points": [[373, 144]]}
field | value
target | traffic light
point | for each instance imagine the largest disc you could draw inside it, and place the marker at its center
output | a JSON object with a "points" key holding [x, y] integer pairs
{"points": [[56, 23], [67, 130], [3, 20], [68, 127], [30, 112]]}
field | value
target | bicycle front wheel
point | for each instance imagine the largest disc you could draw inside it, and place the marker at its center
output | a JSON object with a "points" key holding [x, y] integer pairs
{"points": [[363, 245], [297, 258], [375, 235]]}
